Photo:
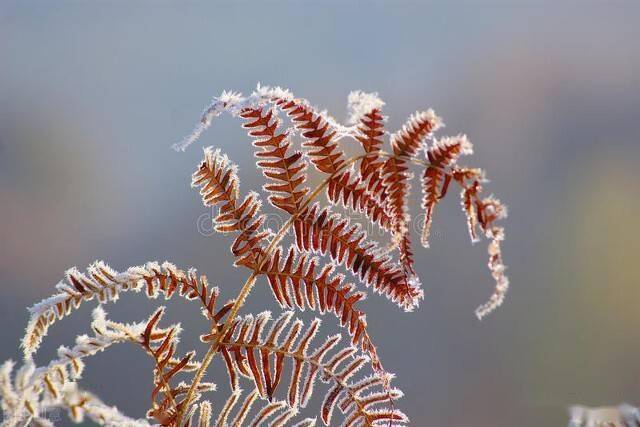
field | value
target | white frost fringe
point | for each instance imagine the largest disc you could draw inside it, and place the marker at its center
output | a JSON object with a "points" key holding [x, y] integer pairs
{"points": [[38, 389], [101, 282], [497, 268], [621, 416], [361, 103], [235, 102]]}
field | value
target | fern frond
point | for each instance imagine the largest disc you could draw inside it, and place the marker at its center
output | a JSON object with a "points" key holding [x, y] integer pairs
{"points": [[446, 151], [295, 283], [327, 156], [370, 129], [497, 268], [351, 191], [361, 105], [411, 138], [34, 387], [277, 163], [396, 176], [395, 180], [391, 186], [244, 410], [431, 183], [319, 135], [260, 357], [105, 284], [323, 232], [218, 182], [483, 213], [278, 358], [405, 144], [161, 344], [468, 195], [443, 153]]}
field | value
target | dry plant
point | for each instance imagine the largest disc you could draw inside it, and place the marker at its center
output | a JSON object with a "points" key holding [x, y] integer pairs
{"points": [[276, 360], [623, 415]]}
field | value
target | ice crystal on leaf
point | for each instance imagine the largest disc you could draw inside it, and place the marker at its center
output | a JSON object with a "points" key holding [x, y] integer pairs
{"points": [[360, 104], [325, 265]]}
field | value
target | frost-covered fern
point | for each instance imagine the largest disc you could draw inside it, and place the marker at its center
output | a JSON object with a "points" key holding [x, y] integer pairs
{"points": [[621, 416], [275, 362]]}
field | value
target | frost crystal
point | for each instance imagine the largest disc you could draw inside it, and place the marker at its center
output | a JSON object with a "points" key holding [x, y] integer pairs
{"points": [[360, 104]]}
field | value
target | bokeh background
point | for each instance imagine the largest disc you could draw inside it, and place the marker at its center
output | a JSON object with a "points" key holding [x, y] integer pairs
{"points": [[92, 95]]}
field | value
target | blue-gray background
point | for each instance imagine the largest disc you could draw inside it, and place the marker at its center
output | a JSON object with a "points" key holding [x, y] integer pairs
{"points": [[92, 94]]}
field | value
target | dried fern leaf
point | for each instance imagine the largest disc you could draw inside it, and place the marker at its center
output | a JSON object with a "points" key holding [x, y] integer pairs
{"points": [[467, 196], [351, 191], [442, 154], [431, 183], [105, 284], [445, 151], [261, 358], [268, 411], [278, 163], [328, 157], [391, 186], [396, 176], [38, 387], [483, 213], [218, 181], [274, 414], [497, 268], [319, 135], [411, 138], [366, 114], [295, 283], [324, 232], [167, 399]]}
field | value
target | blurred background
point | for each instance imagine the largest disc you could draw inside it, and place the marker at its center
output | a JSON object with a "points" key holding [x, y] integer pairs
{"points": [[92, 95]]}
